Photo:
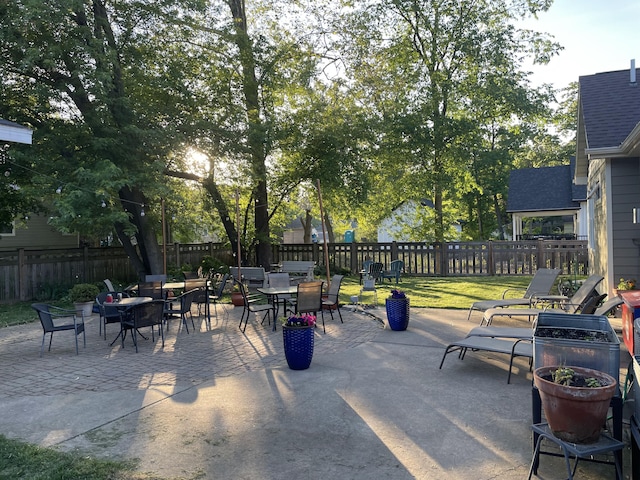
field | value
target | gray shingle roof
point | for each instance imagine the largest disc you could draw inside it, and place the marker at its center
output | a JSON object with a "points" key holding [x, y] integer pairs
{"points": [[547, 188], [611, 107]]}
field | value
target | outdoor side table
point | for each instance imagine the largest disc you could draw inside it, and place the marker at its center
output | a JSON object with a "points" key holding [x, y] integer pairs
{"points": [[616, 423], [604, 444]]}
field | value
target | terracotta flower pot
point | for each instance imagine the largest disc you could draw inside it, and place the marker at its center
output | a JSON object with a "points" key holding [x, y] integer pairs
{"points": [[575, 414], [236, 299]]}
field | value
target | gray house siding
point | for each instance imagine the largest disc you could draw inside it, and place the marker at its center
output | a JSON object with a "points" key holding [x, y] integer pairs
{"points": [[625, 196], [598, 253], [37, 235]]}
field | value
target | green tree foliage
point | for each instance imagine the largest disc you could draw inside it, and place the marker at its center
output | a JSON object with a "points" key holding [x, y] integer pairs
{"points": [[99, 112], [444, 79]]}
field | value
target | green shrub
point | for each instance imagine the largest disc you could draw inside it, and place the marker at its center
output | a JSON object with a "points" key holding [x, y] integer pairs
{"points": [[83, 292], [50, 291], [212, 264]]}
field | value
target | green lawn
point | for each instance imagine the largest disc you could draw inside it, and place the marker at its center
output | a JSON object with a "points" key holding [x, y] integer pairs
{"points": [[19, 460], [433, 292]]}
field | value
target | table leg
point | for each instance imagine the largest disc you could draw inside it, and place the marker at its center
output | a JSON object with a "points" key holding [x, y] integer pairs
{"points": [[274, 305]]}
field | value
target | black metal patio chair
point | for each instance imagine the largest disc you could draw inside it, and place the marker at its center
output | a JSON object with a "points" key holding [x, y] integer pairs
{"points": [[49, 316], [150, 314]]}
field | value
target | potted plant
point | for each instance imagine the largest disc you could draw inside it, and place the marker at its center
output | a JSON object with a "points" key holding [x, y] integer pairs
{"points": [[575, 400], [236, 296], [623, 285], [83, 295], [397, 306], [297, 334]]}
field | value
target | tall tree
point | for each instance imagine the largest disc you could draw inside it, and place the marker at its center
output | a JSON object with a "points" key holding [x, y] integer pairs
{"points": [[97, 138], [420, 62]]}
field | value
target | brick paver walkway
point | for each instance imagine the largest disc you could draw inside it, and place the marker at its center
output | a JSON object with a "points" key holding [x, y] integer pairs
{"points": [[186, 359]]}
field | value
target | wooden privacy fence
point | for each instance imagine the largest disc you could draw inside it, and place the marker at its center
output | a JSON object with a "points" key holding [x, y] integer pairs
{"points": [[26, 273], [450, 259]]}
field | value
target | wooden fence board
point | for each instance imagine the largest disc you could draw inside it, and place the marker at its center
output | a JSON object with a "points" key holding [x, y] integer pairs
{"points": [[24, 273]]}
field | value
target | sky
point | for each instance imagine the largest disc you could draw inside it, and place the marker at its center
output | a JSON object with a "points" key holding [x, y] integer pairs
{"points": [[597, 35]]}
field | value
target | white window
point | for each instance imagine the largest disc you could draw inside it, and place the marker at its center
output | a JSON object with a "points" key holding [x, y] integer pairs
{"points": [[8, 230]]}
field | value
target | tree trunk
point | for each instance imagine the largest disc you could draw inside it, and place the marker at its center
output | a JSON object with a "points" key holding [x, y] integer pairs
{"points": [[256, 133], [306, 225], [150, 254], [496, 206], [331, 238], [225, 217]]}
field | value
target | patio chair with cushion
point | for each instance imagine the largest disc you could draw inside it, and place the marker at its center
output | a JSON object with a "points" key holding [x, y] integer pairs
{"points": [[51, 318], [541, 283], [394, 271]]}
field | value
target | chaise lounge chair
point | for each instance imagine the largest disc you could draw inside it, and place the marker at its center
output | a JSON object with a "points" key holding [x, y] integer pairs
{"points": [[541, 284], [512, 341], [584, 296], [515, 347]]}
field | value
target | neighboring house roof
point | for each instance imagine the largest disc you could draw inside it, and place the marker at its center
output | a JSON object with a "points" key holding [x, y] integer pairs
{"points": [[545, 189], [14, 132]]}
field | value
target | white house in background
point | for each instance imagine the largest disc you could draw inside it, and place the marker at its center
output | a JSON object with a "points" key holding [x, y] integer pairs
{"points": [[14, 132], [404, 218]]}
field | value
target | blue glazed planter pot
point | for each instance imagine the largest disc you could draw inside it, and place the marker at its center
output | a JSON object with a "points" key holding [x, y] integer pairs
{"points": [[397, 313], [298, 346]]}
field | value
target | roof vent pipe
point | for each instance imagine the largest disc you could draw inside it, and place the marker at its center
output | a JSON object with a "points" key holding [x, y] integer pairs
{"points": [[632, 72]]}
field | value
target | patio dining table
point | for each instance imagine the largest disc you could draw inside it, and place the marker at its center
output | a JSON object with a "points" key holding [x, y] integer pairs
{"points": [[273, 293]]}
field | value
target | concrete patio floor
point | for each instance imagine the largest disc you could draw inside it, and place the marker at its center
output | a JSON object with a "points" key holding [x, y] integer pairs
{"points": [[220, 404]]}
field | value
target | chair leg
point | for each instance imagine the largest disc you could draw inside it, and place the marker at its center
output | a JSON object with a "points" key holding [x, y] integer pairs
{"points": [[50, 340], [241, 318], [184, 321], [162, 334], [339, 314], [322, 313], [135, 337], [42, 346]]}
